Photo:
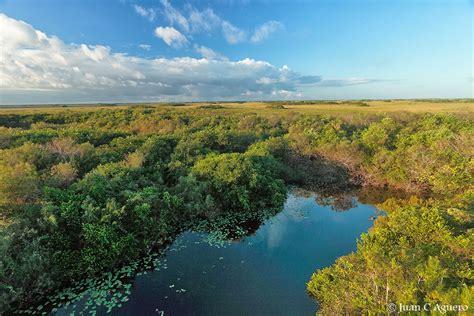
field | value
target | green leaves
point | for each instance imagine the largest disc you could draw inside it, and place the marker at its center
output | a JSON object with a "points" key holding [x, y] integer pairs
{"points": [[82, 192], [241, 181], [410, 256]]}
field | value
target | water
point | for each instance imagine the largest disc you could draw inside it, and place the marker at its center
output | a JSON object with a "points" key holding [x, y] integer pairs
{"points": [[261, 274]]}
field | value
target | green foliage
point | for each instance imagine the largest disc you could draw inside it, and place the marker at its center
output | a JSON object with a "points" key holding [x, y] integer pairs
{"points": [[412, 256], [86, 192], [276, 106], [241, 181], [19, 184], [211, 106]]}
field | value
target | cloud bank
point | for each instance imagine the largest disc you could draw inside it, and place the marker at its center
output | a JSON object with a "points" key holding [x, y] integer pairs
{"points": [[33, 63], [38, 68]]}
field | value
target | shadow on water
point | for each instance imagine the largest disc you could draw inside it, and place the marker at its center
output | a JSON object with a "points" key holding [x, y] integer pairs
{"points": [[233, 264]]}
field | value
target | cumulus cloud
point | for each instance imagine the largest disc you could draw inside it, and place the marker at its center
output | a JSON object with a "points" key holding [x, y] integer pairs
{"points": [[39, 68], [265, 80], [148, 13], [265, 30], [36, 67], [171, 36]]}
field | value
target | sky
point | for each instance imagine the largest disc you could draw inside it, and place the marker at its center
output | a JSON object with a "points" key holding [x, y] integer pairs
{"points": [[84, 51]]}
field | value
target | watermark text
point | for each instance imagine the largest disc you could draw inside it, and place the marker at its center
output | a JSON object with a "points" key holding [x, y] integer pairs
{"points": [[426, 307]]}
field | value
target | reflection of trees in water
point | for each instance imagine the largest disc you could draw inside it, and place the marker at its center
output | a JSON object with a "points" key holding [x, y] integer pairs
{"points": [[300, 192], [244, 229], [377, 195], [234, 226], [339, 201], [348, 199]]}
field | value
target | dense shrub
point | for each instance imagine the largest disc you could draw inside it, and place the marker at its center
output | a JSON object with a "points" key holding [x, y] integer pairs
{"points": [[82, 192]]}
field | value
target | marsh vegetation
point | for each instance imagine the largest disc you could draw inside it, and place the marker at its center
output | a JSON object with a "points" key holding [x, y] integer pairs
{"points": [[86, 191]]}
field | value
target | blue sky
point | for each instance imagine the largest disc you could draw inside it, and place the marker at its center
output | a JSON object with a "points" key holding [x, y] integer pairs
{"points": [[152, 50]]}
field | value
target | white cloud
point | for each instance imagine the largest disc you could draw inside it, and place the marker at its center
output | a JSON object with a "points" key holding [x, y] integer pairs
{"points": [[35, 67], [265, 80], [203, 21], [174, 16], [265, 30], [286, 94], [207, 21], [145, 46], [150, 14], [171, 36], [208, 53], [232, 34], [38, 68]]}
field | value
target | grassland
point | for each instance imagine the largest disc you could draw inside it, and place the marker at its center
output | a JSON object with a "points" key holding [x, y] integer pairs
{"points": [[460, 106]]}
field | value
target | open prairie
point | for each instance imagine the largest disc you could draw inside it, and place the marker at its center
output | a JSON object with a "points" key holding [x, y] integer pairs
{"points": [[462, 106]]}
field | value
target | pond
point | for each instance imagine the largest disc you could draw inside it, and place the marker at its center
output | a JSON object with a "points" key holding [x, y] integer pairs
{"points": [[264, 273]]}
